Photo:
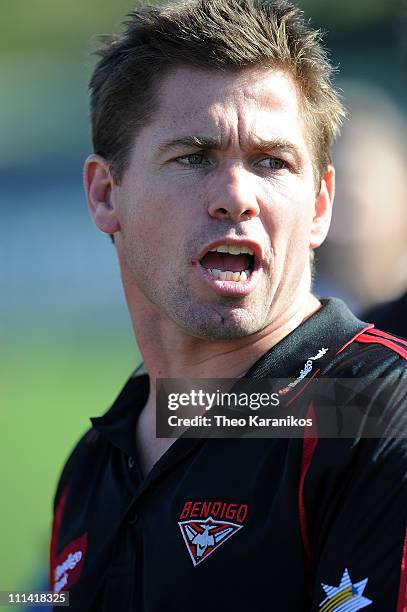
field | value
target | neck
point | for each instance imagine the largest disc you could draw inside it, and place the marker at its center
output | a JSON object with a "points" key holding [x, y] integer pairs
{"points": [[169, 352]]}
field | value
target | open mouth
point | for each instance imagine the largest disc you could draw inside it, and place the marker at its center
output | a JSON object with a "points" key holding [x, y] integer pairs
{"points": [[229, 262]]}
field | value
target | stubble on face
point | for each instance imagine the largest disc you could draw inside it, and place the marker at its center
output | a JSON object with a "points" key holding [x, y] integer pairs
{"points": [[151, 217], [220, 318]]}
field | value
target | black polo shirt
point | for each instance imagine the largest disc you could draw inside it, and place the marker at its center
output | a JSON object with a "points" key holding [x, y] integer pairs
{"points": [[287, 525]]}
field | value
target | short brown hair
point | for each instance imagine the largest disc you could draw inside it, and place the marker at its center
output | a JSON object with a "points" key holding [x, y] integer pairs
{"points": [[210, 34]]}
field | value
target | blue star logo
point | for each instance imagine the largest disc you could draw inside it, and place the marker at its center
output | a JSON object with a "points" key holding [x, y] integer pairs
{"points": [[346, 597]]}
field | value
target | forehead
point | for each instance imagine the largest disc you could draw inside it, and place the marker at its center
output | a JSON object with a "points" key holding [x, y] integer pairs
{"points": [[264, 102]]}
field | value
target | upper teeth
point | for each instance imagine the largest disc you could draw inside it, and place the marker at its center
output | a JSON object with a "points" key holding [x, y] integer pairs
{"points": [[232, 249]]}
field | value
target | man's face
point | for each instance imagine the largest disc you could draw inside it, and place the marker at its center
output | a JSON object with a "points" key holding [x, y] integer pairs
{"points": [[223, 166]]}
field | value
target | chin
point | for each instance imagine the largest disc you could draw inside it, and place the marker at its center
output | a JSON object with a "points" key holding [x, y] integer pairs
{"points": [[220, 324]]}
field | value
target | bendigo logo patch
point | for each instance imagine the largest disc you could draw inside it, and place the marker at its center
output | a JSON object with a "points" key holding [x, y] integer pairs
{"points": [[69, 563], [205, 525]]}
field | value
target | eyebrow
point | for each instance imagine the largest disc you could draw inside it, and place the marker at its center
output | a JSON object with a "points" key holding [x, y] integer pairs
{"points": [[207, 143], [200, 142]]}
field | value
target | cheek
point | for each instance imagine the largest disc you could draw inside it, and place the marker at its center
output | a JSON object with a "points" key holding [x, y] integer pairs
{"points": [[288, 222], [141, 209], [154, 224]]}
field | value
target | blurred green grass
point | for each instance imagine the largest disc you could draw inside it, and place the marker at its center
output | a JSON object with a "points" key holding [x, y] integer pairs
{"points": [[51, 383], [58, 27]]}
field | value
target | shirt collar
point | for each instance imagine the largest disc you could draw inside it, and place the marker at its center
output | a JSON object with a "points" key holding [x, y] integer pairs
{"points": [[118, 424], [329, 328]]}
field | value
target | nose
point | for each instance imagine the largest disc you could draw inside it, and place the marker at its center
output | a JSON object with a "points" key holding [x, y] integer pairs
{"points": [[232, 195]]}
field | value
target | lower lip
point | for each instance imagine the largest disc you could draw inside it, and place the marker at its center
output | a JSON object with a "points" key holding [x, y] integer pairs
{"points": [[229, 288]]}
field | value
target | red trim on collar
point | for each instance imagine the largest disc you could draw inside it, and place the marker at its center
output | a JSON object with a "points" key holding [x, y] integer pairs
{"points": [[379, 332], [390, 344], [355, 337]]}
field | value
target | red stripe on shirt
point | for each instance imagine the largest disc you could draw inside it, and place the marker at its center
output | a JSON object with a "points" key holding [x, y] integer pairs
{"points": [[54, 535], [362, 331], [308, 449], [379, 332], [304, 387], [369, 339], [402, 600]]}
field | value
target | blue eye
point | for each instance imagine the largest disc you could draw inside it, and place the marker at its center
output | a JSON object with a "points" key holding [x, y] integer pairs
{"points": [[194, 159], [272, 163]]}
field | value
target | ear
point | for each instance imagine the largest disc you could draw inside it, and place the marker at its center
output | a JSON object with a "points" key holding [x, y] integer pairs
{"points": [[323, 209], [99, 188]]}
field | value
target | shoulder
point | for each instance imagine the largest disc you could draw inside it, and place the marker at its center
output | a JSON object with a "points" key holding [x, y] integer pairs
{"points": [[84, 459], [373, 353], [110, 435]]}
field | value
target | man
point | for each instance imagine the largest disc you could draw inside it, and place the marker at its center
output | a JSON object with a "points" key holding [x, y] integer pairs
{"points": [[212, 125]]}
